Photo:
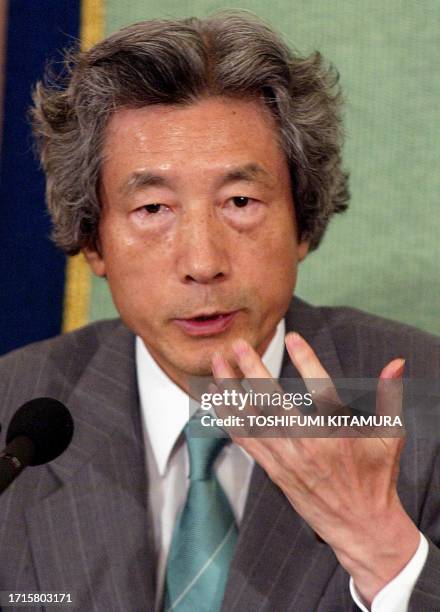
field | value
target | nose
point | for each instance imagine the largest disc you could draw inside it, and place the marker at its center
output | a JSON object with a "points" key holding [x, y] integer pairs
{"points": [[203, 251]]}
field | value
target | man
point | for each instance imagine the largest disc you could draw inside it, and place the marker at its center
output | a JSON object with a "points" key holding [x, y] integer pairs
{"points": [[195, 164]]}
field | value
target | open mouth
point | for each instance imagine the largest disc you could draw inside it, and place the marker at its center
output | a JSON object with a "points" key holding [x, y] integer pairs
{"points": [[207, 317], [207, 325]]}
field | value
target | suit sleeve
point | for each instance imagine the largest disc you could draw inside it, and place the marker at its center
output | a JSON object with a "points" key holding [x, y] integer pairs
{"points": [[426, 593]]}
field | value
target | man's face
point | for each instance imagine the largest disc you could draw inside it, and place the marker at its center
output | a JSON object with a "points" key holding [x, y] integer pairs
{"points": [[198, 238]]}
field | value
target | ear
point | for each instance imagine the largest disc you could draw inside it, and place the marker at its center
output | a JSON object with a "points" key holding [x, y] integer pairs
{"points": [[303, 249], [95, 260]]}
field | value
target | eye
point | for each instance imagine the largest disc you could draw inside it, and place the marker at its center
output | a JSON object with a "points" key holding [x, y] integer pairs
{"points": [[244, 211], [240, 201], [153, 213], [153, 208]]}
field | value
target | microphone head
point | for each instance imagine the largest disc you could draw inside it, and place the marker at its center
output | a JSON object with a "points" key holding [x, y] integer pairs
{"points": [[48, 423]]}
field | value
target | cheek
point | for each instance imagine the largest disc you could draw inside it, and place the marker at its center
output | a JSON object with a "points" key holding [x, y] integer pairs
{"points": [[135, 276], [134, 279], [274, 254], [129, 256], [275, 269]]}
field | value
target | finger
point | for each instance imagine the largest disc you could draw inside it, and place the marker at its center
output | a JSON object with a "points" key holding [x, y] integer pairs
{"points": [[221, 369], [258, 376], [390, 389], [304, 357], [227, 382], [225, 376], [271, 397], [249, 361], [266, 396], [393, 370], [315, 376], [389, 397]]}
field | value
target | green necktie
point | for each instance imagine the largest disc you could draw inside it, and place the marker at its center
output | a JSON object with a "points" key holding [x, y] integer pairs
{"points": [[205, 534]]}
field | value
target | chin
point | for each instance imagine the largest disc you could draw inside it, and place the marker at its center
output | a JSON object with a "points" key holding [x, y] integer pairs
{"points": [[198, 363], [199, 372], [199, 367]]}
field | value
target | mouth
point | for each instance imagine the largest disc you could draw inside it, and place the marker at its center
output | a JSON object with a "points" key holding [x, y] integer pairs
{"points": [[207, 324]]}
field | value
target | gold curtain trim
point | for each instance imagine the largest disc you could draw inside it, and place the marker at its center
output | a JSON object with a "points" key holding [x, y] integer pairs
{"points": [[78, 287]]}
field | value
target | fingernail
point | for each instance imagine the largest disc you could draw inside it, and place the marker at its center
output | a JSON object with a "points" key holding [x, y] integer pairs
{"points": [[399, 371], [293, 339], [240, 347]]}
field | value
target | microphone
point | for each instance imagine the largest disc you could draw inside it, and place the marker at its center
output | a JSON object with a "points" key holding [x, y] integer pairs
{"points": [[39, 432]]}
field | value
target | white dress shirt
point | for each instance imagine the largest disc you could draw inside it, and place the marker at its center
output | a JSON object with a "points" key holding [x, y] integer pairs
{"points": [[164, 412]]}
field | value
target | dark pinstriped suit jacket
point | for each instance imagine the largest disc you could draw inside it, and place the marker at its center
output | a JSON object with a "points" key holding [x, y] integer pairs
{"points": [[80, 524]]}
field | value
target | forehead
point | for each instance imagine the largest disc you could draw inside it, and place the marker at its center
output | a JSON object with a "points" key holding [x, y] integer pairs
{"points": [[210, 133]]}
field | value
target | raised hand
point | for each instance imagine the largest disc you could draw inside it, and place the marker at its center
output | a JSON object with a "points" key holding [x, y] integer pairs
{"points": [[344, 487]]}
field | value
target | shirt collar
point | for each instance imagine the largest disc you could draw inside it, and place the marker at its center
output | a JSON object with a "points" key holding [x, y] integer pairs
{"points": [[165, 406]]}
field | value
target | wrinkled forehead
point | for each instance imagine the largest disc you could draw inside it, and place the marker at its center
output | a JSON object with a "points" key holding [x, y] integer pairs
{"points": [[213, 136]]}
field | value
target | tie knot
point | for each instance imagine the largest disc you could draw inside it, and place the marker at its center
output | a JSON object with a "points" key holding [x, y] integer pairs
{"points": [[204, 446]]}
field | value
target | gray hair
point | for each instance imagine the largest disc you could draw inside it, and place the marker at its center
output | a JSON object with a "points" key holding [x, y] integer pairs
{"points": [[177, 62]]}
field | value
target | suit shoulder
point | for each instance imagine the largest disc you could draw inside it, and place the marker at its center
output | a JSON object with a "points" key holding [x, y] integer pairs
{"points": [[85, 338], [348, 317], [54, 367], [376, 340], [67, 354]]}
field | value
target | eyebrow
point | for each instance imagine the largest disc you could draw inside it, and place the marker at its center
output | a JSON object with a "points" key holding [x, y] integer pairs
{"points": [[249, 173]]}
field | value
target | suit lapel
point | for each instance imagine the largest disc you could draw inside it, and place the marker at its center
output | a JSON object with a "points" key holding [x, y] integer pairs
{"points": [[310, 323], [78, 532], [279, 563]]}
